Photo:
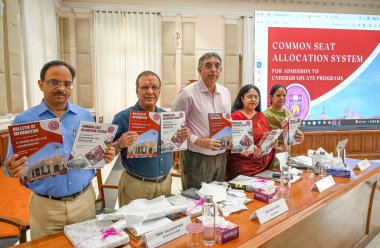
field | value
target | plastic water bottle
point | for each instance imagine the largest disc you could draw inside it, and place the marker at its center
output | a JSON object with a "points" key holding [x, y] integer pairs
{"points": [[208, 221]]}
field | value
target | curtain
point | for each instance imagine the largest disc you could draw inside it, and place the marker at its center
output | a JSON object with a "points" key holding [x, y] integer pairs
{"points": [[110, 63], [39, 39], [125, 45], [249, 53]]}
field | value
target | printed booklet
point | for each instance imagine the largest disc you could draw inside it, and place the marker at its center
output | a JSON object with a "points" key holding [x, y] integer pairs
{"points": [[220, 128], [147, 126], [171, 124], [267, 140], [242, 136], [42, 143], [290, 126], [90, 143]]}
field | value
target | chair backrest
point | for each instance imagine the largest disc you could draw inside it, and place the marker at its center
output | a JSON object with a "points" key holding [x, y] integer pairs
{"points": [[22, 226], [99, 179], [101, 187]]}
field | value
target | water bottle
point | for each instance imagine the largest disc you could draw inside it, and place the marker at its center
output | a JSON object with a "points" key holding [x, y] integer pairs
{"points": [[285, 183], [208, 221]]}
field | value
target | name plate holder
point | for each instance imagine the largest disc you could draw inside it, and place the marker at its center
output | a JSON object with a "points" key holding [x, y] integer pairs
{"points": [[166, 233], [323, 184], [270, 211], [362, 165]]}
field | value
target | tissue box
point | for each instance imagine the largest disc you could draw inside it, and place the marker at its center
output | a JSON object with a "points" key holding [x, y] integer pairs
{"points": [[261, 195], [339, 172], [225, 233]]}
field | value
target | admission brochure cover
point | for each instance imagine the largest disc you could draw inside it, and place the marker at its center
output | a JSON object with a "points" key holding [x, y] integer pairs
{"points": [[290, 127], [171, 124], [147, 126], [90, 143], [242, 136], [42, 143], [220, 128]]}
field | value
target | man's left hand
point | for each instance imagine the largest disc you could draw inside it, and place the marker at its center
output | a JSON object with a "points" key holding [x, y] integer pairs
{"points": [[109, 154], [185, 133]]}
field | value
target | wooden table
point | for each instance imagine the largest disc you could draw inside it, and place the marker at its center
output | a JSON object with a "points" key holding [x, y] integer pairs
{"points": [[345, 215]]}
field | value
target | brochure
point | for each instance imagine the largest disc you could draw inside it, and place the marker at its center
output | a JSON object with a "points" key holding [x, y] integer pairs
{"points": [[242, 136], [147, 126], [171, 124], [290, 126], [267, 140], [90, 143], [220, 128], [42, 143]]}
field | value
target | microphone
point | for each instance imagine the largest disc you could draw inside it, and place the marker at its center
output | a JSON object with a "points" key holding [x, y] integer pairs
{"points": [[248, 188]]}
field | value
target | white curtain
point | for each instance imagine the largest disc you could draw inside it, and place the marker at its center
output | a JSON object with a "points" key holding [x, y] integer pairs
{"points": [[125, 45], [110, 76], [249, 52], [39, 38]]}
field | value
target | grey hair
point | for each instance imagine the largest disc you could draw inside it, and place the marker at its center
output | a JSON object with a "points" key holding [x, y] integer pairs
{"points": [[209, 55]]}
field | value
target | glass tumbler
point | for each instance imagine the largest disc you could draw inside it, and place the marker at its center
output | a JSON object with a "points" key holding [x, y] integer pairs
{"points": [[194, 235]]}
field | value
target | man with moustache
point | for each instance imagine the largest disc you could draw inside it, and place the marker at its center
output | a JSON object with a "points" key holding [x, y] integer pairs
{"points": [[203, 161], [143, 177], [63, 199]]}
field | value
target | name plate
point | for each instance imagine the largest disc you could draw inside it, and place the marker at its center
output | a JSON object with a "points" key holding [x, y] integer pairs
{"points": [[270, 211], [166, 233], [323, 184], [362, 165]]}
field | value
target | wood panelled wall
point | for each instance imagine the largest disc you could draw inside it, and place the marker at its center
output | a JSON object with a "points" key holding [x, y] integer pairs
{"points": [[361, 144]]}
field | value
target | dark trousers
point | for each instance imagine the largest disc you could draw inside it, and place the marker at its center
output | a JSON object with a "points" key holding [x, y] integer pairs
{"points": [[198, 168]]}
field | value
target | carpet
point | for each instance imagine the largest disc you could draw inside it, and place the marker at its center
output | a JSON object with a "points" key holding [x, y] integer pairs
{"points": [[14, 202]]}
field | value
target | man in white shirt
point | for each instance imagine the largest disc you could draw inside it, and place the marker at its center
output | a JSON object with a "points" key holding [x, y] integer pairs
{"points": [[203, 161]]}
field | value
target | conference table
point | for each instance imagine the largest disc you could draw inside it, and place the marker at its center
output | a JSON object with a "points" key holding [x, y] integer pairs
{"points": [[346, 214]]}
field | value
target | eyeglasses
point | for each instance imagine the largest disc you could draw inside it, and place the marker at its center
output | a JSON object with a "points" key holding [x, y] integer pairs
{"points": [[250, 97], [55, 83], [146, 88], [211, 65]]}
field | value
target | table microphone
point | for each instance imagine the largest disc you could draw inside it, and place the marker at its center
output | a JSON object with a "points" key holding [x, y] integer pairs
{"points": [[248, 188]]}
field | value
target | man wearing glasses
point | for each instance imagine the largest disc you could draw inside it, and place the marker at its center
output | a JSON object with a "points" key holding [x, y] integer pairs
{"points": [[203, 161], [64, 199], [143, 177]]}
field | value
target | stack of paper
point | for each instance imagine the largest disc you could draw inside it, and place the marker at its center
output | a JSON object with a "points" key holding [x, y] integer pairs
{"points": [[147, 226], [141, 210], [192, 208], [300, 162], [88, 234]]}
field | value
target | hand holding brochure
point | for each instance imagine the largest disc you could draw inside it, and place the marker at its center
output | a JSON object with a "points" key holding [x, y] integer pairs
{"points": [[41, 142], [220, 128], [171, 125], [267, 141], [290, 126], [90, 143]]}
